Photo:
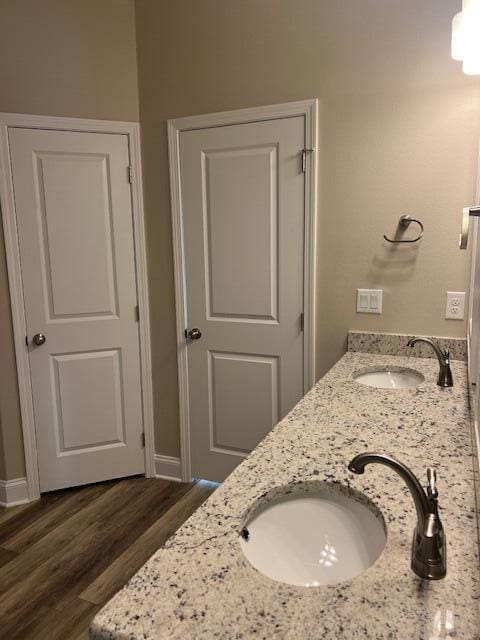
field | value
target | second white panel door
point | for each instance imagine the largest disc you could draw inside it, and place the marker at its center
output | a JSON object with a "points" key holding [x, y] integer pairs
{"points": [[242, 190]]}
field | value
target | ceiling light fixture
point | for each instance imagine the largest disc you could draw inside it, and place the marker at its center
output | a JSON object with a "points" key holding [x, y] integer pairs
{"points": [[466, 37]]}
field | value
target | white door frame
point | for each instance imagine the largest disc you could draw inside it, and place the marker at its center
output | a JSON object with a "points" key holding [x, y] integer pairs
{"points": [[132, 130], [306, 108]]}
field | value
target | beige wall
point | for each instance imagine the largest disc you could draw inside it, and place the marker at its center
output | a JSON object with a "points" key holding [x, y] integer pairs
{"points": [[413, 152], [398, 133], [74, 58], [69, 58]]}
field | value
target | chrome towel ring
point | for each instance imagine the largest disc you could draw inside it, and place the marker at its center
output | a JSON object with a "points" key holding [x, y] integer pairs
{"points": [[404, 222]]}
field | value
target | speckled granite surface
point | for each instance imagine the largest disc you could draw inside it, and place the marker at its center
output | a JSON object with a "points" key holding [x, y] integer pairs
{"points": [[395, 344], [200, 586]]}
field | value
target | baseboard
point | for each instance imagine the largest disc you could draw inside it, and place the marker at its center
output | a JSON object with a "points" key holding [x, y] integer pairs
{"points": [[168, 468], [13, 492]]}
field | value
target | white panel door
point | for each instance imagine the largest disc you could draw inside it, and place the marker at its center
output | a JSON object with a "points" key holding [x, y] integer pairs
{"points": [[74, 218], [242, 191]]}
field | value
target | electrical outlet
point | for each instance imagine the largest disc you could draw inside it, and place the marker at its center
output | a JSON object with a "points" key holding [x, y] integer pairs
{"points": [[455, 305], [369, 300]]}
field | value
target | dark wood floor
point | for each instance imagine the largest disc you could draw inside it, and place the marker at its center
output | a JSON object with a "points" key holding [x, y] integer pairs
{"points": [[64, 556]]}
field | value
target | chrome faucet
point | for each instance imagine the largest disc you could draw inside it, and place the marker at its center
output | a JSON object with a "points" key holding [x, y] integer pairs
{"points": [[429, 559], [445, 377]]}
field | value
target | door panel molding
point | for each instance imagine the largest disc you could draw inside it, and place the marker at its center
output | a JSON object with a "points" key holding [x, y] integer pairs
{"points": [[58, 308], [268, 394], [132, 131], [218, 308], [309, 110], [64, 364]]}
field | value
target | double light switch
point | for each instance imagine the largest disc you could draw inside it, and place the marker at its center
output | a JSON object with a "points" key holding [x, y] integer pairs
{"points": [[369, 300]]}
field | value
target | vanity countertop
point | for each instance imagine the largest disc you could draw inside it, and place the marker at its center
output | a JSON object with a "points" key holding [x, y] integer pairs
{"points": [[200, 586]]}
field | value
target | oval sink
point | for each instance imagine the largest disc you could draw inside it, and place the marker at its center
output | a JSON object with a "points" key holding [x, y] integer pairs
{"points": [[319, 534], [389, 377]]}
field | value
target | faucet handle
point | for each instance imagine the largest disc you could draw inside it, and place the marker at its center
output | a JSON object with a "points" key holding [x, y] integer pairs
{"points": [[432, 490]]}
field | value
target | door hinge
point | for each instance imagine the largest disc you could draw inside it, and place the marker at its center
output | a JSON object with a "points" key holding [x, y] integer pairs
{"points": [[130, 174], [302, 321], [304, 158], [137, 313], [142, 438]]}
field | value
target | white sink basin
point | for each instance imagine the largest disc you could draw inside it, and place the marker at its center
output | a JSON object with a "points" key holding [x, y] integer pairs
{"points": [[389, 378], [321, 534]]}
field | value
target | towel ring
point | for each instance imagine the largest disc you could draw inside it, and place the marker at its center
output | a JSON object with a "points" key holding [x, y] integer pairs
{"points": [[405, 222]]}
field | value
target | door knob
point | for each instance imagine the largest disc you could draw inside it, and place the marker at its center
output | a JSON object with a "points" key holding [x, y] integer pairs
{"points": [[39, 339], [193, 334]]}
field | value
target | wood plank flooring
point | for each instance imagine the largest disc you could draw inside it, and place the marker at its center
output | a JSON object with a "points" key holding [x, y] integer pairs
{"points": [[63, 557]]}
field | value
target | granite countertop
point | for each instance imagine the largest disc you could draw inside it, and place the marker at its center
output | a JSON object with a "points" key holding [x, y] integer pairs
{"points": [[200, 586]]}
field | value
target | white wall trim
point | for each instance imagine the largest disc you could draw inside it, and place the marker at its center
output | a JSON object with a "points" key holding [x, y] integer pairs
{"points": [[309, 110], [13, 492], [168, 468], [132, 130]]}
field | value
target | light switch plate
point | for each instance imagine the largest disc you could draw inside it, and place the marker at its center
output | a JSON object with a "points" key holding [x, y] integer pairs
{"points": [[455, 309], [369, 300]]}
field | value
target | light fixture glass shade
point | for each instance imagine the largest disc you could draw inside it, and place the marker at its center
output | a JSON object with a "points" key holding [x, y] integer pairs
{"points": [[466, 37], [471, 36], [457, 37]]}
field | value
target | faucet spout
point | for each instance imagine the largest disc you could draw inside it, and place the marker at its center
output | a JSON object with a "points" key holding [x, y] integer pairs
{"points": [[358, 464], [429, 546], [445, 377]]}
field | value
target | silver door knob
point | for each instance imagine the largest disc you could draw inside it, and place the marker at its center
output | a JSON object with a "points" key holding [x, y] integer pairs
{"points": [[39, 339], [194, 334]]}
